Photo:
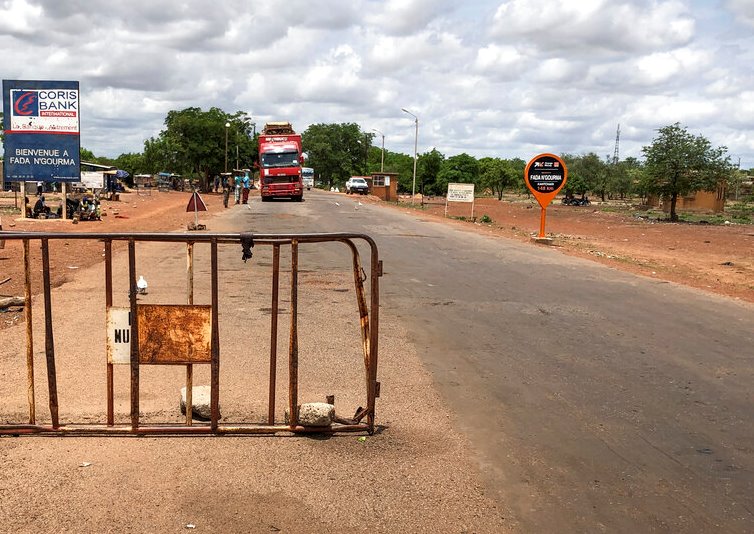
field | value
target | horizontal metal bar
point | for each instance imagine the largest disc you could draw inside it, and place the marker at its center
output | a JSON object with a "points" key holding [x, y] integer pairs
{"points": [[206, 429], [265, 239]]}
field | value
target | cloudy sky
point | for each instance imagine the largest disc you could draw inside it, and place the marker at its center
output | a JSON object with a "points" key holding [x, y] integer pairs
{"points": [[487, 77]]}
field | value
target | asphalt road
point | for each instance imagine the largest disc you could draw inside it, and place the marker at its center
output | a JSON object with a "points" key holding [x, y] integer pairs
{"points": [[595, 400]]}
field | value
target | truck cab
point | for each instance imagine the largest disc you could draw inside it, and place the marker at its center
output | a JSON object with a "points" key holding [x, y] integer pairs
{"points": [[280, 159]]}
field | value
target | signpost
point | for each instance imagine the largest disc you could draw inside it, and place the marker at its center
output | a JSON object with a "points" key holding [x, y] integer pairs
{"points": [[196, 204], [460, 193], [545, 176]]}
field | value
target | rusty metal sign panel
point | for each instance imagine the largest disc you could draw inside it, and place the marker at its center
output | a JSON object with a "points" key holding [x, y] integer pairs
{"points": [[174, 334]]}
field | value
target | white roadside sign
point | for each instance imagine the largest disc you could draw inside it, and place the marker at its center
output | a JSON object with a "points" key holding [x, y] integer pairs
{"points": [[460, 192], [119, 335], [91, 180]]}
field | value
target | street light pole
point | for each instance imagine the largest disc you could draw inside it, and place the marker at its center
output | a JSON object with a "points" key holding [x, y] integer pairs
{"points": [[416, 144], [382, 157], [227, 125]]}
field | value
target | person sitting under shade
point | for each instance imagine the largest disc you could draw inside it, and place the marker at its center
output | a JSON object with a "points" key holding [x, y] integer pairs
{"points": [[40, 207]]}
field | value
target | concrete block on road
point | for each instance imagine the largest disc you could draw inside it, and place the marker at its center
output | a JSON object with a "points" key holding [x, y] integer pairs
{"points": [[200, 402], [315, 414]]}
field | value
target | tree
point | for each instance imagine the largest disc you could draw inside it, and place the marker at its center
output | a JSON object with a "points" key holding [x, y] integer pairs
{"points": [[462, 169], [337, 151], [428, 166], [499, 174], [679, 163], [197, 143], [576, 184]]}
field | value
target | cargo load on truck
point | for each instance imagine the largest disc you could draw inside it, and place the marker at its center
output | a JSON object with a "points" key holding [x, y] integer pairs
{"points": [[278, 128], [280, 160]]}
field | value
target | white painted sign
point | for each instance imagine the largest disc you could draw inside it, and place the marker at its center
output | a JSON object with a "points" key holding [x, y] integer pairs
{"points": [[387, 181], [91, 180], [118, 335], [460, 192]]}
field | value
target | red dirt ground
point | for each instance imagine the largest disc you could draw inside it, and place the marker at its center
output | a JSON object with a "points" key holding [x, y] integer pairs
{"points": [[160, 211]]}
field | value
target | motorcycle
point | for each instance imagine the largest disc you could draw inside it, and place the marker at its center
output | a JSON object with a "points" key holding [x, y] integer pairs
{"points": [[573, 201]]}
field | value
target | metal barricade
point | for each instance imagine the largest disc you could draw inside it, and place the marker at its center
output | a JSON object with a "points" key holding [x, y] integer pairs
{"points": [[205, 320]]}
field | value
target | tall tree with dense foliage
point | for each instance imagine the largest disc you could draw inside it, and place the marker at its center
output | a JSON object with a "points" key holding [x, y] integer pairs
{"points": [[197, 143], [679, 163], [498, 174], [462, 169], [336, 151], [427, 169]]}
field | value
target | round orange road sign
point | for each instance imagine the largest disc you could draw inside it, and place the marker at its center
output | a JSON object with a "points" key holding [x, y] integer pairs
{"points": [[545, 175]]}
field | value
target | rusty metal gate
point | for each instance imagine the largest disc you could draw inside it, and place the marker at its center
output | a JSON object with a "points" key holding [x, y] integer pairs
{"points": [[202, 325]]}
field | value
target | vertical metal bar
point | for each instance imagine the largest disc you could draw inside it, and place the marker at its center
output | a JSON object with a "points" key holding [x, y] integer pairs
{"points": [[189, 367], [293, 345], [29, 334], [215, 385], [134, 334], [363, 313], [108, 305], [376, 269], [274, 330], [49, 341]]}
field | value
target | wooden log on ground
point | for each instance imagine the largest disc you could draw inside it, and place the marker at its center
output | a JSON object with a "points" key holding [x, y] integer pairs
{"points": [[7, 302]]}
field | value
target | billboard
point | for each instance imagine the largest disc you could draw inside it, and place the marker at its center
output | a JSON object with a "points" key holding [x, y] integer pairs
{"points": [[41, 120]]}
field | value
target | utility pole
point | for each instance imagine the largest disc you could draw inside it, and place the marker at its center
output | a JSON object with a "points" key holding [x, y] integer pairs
{"points": [[416, 144], [227, 125], [382, 156]]}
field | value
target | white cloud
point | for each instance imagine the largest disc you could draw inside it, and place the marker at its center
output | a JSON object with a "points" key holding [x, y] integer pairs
{"points": [[594, 26], [488, 77], [742, 9], [19, 17], [405, 17]]}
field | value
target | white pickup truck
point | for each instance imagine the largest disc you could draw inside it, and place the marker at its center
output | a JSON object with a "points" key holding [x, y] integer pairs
{"points": [[357, 184]]}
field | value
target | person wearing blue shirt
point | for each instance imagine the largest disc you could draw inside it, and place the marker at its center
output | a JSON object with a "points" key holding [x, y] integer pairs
{"points": [[246, 188], [237, 181]]}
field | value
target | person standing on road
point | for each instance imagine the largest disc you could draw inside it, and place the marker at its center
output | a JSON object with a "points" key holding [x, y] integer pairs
{"points": [[226, 191], [217, 182], [237, 181], [246, 188]]}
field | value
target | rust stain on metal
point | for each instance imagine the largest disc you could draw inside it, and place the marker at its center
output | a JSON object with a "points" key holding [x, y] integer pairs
{"points": [[174, 334]]}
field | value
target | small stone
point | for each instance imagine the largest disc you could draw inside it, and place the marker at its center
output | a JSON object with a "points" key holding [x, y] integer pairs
{"points": [[201, 403]]}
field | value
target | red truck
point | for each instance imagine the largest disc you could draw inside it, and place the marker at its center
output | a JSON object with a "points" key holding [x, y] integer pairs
{"points": [[280, 160]]}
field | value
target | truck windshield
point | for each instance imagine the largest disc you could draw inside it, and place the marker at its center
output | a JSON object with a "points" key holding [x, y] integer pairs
{"points": [[280, 159]]}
